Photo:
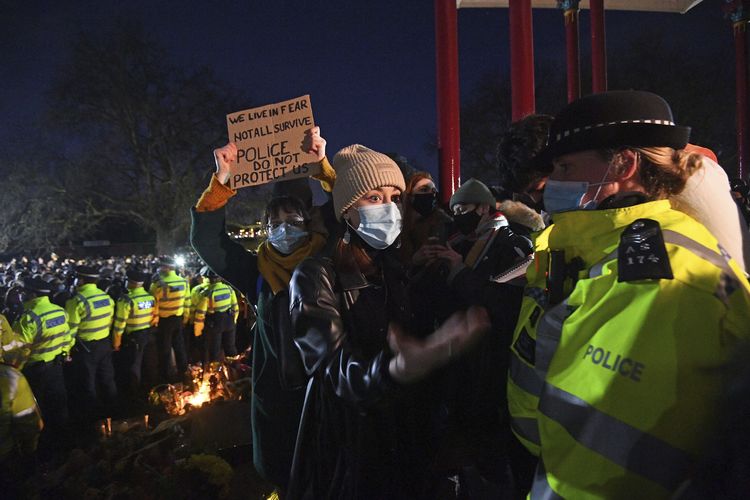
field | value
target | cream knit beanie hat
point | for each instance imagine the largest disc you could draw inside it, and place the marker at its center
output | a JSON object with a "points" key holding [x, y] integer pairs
{"points": [[358, 170]]}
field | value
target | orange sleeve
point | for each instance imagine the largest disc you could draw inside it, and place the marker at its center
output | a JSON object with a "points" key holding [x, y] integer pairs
{"points": [[215, 196], [327, 175]]}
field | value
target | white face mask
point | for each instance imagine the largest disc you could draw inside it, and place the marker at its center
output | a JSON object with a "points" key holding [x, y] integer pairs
{"points": [[379, 225]]}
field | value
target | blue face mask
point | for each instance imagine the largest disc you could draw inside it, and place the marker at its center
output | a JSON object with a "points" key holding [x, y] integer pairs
{"points": [[379, 225], [564, 196], [287, 238]]}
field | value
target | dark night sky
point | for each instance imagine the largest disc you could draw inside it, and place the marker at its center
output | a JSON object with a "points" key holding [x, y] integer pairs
{"points": [[368, 66]]}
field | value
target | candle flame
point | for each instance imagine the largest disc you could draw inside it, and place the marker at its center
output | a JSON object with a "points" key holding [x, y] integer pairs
{"points": [[201, 396]]}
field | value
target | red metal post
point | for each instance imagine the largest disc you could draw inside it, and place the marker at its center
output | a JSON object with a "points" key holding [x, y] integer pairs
{"points": [[521, 59], [739, 15], [740, 54], [598, 47], [446, 59], [572, 51]]}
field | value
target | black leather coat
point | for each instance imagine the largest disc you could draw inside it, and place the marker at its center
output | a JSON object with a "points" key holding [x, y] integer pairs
{"points": [[362, 435]]}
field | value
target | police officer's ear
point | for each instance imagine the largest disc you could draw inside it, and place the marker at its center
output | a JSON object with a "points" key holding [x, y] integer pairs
{"points": [[625, 165]]}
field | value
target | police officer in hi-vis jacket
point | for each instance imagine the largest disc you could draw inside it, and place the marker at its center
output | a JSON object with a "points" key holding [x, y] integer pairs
{"points": [[172, 294], [630, 311]]}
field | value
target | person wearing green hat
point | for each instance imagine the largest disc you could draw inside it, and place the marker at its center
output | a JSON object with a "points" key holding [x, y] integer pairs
{"points": [[484, 258], [483, 240]]}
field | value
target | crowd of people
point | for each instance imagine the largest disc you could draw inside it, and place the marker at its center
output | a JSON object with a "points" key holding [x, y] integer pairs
{"points": [[562, 335], [86, 339], [565, 334]]}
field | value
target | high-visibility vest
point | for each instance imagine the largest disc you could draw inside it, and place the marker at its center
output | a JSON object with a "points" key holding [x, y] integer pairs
{"points": [[135, 311], [172, 294], [13, 350], [195, 296], [627, 369], [20, 418], [44, 326], [216, 298], [90, 312]]}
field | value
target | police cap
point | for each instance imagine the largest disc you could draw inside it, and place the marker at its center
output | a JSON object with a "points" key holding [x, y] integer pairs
{"points": [[136, 276], [87, 272], [167, 261], [36, 285], [106, 272]]}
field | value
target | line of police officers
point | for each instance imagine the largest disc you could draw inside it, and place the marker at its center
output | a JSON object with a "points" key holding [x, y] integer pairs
{"points": [[68, 351]]}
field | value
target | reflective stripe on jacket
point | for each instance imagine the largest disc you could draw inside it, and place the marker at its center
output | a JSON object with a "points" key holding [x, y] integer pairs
{"points": [[195, 296], [216, 298], [172, 294], [625, 373], [20, 419], [90, 313], [44, 326], [135, 311]]}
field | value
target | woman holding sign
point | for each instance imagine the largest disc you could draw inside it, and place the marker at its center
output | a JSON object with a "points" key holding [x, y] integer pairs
{"points": [[278, 377], [364, 429]]}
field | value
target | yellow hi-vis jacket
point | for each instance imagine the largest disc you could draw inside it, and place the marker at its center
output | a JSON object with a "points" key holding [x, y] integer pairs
{"points": [[134, 312], [20, 418], [44, 326], [215, 298], [90, 313], [615, 385], [172, 294], [195, 296]]}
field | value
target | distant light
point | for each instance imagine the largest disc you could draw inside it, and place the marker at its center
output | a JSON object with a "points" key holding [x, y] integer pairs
{"points": [[179, 260]]}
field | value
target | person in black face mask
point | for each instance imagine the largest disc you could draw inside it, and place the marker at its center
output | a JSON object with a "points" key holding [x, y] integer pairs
{"points": [[481, 231], [482, 257], [423, 219], [480, 237]]}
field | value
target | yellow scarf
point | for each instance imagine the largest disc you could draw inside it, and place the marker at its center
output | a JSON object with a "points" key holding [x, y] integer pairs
{"points": [[277, 269]]}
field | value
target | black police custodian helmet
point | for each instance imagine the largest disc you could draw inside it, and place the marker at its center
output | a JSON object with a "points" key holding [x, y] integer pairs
{"points": [[614, 119]]}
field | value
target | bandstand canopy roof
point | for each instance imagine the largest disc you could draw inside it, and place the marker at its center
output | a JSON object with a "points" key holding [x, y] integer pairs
{"points": [[678, 6]]}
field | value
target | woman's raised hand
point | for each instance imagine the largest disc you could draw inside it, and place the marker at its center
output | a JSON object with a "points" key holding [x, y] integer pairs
{"points": [[225, 157], [314, 143]]}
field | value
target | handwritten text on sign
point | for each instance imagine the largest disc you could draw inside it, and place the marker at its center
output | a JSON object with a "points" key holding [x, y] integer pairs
{"points": [[269, 142]]}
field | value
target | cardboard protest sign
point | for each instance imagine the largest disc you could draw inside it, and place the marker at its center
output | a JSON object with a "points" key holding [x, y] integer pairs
{"points": [[269, 142]]}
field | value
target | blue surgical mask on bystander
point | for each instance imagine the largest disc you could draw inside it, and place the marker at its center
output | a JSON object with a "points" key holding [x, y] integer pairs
{"points": [[379, 225], [287, 238]]}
